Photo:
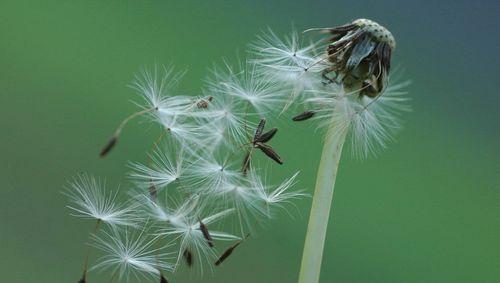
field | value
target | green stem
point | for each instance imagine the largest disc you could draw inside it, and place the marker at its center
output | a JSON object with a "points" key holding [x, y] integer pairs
{"points": [[320, 209]]}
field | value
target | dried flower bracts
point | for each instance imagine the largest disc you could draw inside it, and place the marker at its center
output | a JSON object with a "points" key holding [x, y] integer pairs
{"points": [[360, 54]]}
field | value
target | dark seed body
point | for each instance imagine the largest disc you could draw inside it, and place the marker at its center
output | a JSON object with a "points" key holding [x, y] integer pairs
{"points": [[226, 254], [188, 256], [304, 116], [83, 279], [153, 193], [206, 234], [163, 279], [267, 136], [109, 146], [259, 129], [229, 251], [246, 163], [202, 104], [269, 151]]}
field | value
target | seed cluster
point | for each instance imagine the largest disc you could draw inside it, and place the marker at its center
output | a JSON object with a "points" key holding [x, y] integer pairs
{"points": [[201, 191]]}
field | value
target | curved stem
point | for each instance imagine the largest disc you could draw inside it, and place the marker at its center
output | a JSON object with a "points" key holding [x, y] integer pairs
{"points": [[87, 254], [320, 209]]}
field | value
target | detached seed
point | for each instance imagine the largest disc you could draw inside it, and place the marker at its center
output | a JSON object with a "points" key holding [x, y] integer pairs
{"points": [[267, 136], [109, 146], [304, 116], [229, 251], [259, 129], [188, 256], [206, 234], [269, 151], [246, 163]]}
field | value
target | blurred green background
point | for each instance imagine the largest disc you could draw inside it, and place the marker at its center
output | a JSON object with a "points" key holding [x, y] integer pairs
{"points": [[426, 210]]}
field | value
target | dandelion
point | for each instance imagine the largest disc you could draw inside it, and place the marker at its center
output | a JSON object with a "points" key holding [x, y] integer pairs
{"points": [[359, 54], [202, 186]]}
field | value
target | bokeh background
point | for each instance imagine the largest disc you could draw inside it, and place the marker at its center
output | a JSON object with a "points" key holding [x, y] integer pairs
{"points": [[426, 210]]}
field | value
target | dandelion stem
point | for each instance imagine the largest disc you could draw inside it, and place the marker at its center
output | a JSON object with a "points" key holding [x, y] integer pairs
{"points": [[320, 210], [87, 254]]}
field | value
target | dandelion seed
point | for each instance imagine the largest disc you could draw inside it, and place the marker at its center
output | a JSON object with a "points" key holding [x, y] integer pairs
{"points": [[267, 136], [228, 252], [280, 195], [269, 151], [174, 212], [210, 171], [157, 86], [107, 148], [263, 95], [206, 234], [259, 141], [288, 62], [225, 113], [114, 139], [186, 133], [166, 167], [131, 256], [91, 201], [189, 233], [243, 196], [304, 116]]}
